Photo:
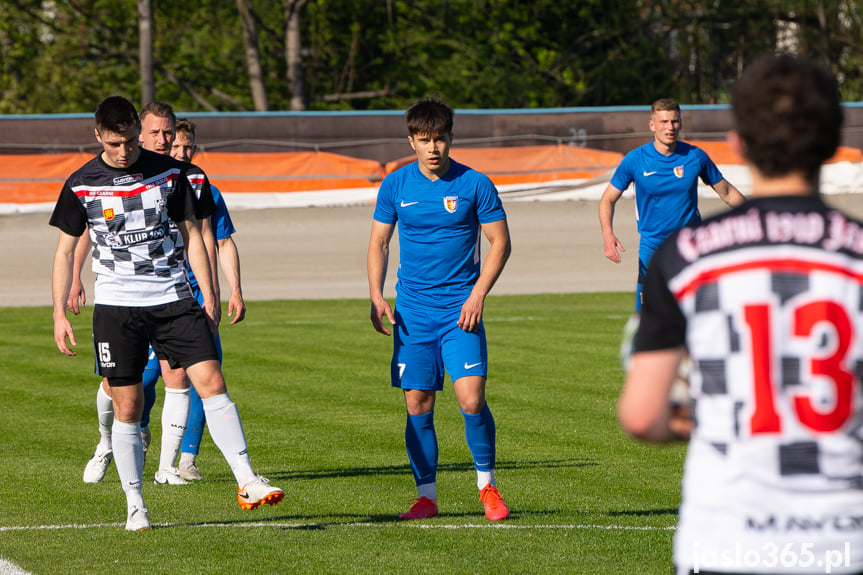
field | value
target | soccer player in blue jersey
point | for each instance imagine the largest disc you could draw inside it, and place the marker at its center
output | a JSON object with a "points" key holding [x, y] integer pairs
{"points": [[440, 206], [183, 148], [665, 173]]}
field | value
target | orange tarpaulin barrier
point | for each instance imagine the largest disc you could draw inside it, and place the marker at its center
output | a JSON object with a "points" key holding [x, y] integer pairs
{"points": [[36, 178], [530, 164], [288, 171], [720, 153]]}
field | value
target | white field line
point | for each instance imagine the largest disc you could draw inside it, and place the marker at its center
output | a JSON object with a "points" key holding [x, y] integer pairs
{"points": [[366, 321], [9, 568], [282, 525]]}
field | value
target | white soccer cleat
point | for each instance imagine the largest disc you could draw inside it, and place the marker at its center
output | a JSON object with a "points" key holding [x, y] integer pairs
{"points": [[98, 465], [189, 471], [137, 520], [169, 476], [258, 491]]}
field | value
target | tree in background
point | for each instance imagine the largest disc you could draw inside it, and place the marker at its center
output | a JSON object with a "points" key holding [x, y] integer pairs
{"points": [[253, 56], [222, 55], [294, 54]]}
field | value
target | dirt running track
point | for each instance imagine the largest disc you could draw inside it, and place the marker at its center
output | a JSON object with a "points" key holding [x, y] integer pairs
{"points": [[320, 253]]}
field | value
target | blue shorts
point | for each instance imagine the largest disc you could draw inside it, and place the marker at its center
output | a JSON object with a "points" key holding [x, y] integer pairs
{"points": [[427, 341]]}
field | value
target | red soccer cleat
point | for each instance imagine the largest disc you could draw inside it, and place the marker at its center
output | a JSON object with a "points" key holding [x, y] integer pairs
{"points": [[422, 508], [495, 506]]}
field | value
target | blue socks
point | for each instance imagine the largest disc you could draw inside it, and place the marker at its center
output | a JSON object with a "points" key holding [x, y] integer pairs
{"points": [[151, 376], [480, 432], [421, 443], [195, 427], [422, 446]]}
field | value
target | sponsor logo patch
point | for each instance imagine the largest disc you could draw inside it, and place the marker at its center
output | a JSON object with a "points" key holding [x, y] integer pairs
{"points": [[128, 179]]}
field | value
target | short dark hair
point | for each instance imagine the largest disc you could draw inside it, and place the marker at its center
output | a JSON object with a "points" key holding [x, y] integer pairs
{"points": [[185, 125], [160, 110], [665, 105], [116, 114], [429, 116], [788, 115]]}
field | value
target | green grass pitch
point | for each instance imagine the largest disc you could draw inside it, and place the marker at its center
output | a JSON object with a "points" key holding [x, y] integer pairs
{"points": [[311, 379]]}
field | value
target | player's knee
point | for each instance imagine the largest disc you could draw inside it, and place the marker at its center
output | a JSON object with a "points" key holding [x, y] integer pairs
{"points": [[473, 405], [207, 382]]}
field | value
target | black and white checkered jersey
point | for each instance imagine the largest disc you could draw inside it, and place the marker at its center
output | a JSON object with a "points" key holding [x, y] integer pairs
{"points": [[128, 212], [768, 300]]}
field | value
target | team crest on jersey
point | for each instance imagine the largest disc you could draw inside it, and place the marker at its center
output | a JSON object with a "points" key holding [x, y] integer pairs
{"points": [[108, 213], [450, 203], [678, 171], [113, 240]]}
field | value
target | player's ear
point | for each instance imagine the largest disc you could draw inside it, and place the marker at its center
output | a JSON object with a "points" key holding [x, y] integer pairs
{"points": [[98, 137]]}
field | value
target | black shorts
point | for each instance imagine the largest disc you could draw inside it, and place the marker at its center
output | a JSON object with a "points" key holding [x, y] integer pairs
{"points": [[178, 332]]}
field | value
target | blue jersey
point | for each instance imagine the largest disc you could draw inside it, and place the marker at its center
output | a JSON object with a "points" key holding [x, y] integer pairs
{"points": [[666, 188], [223, 228], [439, 230]]}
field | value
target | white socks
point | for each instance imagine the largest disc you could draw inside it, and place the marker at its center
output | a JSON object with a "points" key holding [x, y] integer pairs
{"points": [[484, 478], [223, 420], [427, 490], [129, 458], [105, 409], [175, 415]]}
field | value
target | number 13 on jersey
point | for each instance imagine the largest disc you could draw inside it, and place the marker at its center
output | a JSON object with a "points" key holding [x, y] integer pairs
{"points": [[805, 319]]}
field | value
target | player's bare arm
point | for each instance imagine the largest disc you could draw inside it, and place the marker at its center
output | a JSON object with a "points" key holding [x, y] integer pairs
{"points": [[229, 258], [61, 280], [644, 407], [611, 244], [728, 193], [376, 262], [77, 296], [500, 248], [199, 261], [212, 257]]}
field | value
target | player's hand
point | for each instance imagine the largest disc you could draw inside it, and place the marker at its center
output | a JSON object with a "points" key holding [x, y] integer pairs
{"points": [[471, 313], [681, 423], [613, 247], [212, 313], [236, 308], [379, 310], [63, 330], [217, 313], [77, 297]]}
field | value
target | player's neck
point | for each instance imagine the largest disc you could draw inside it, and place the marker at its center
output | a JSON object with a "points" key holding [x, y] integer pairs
{"points": [[794, 184], [663, 148], [436, 173]]}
